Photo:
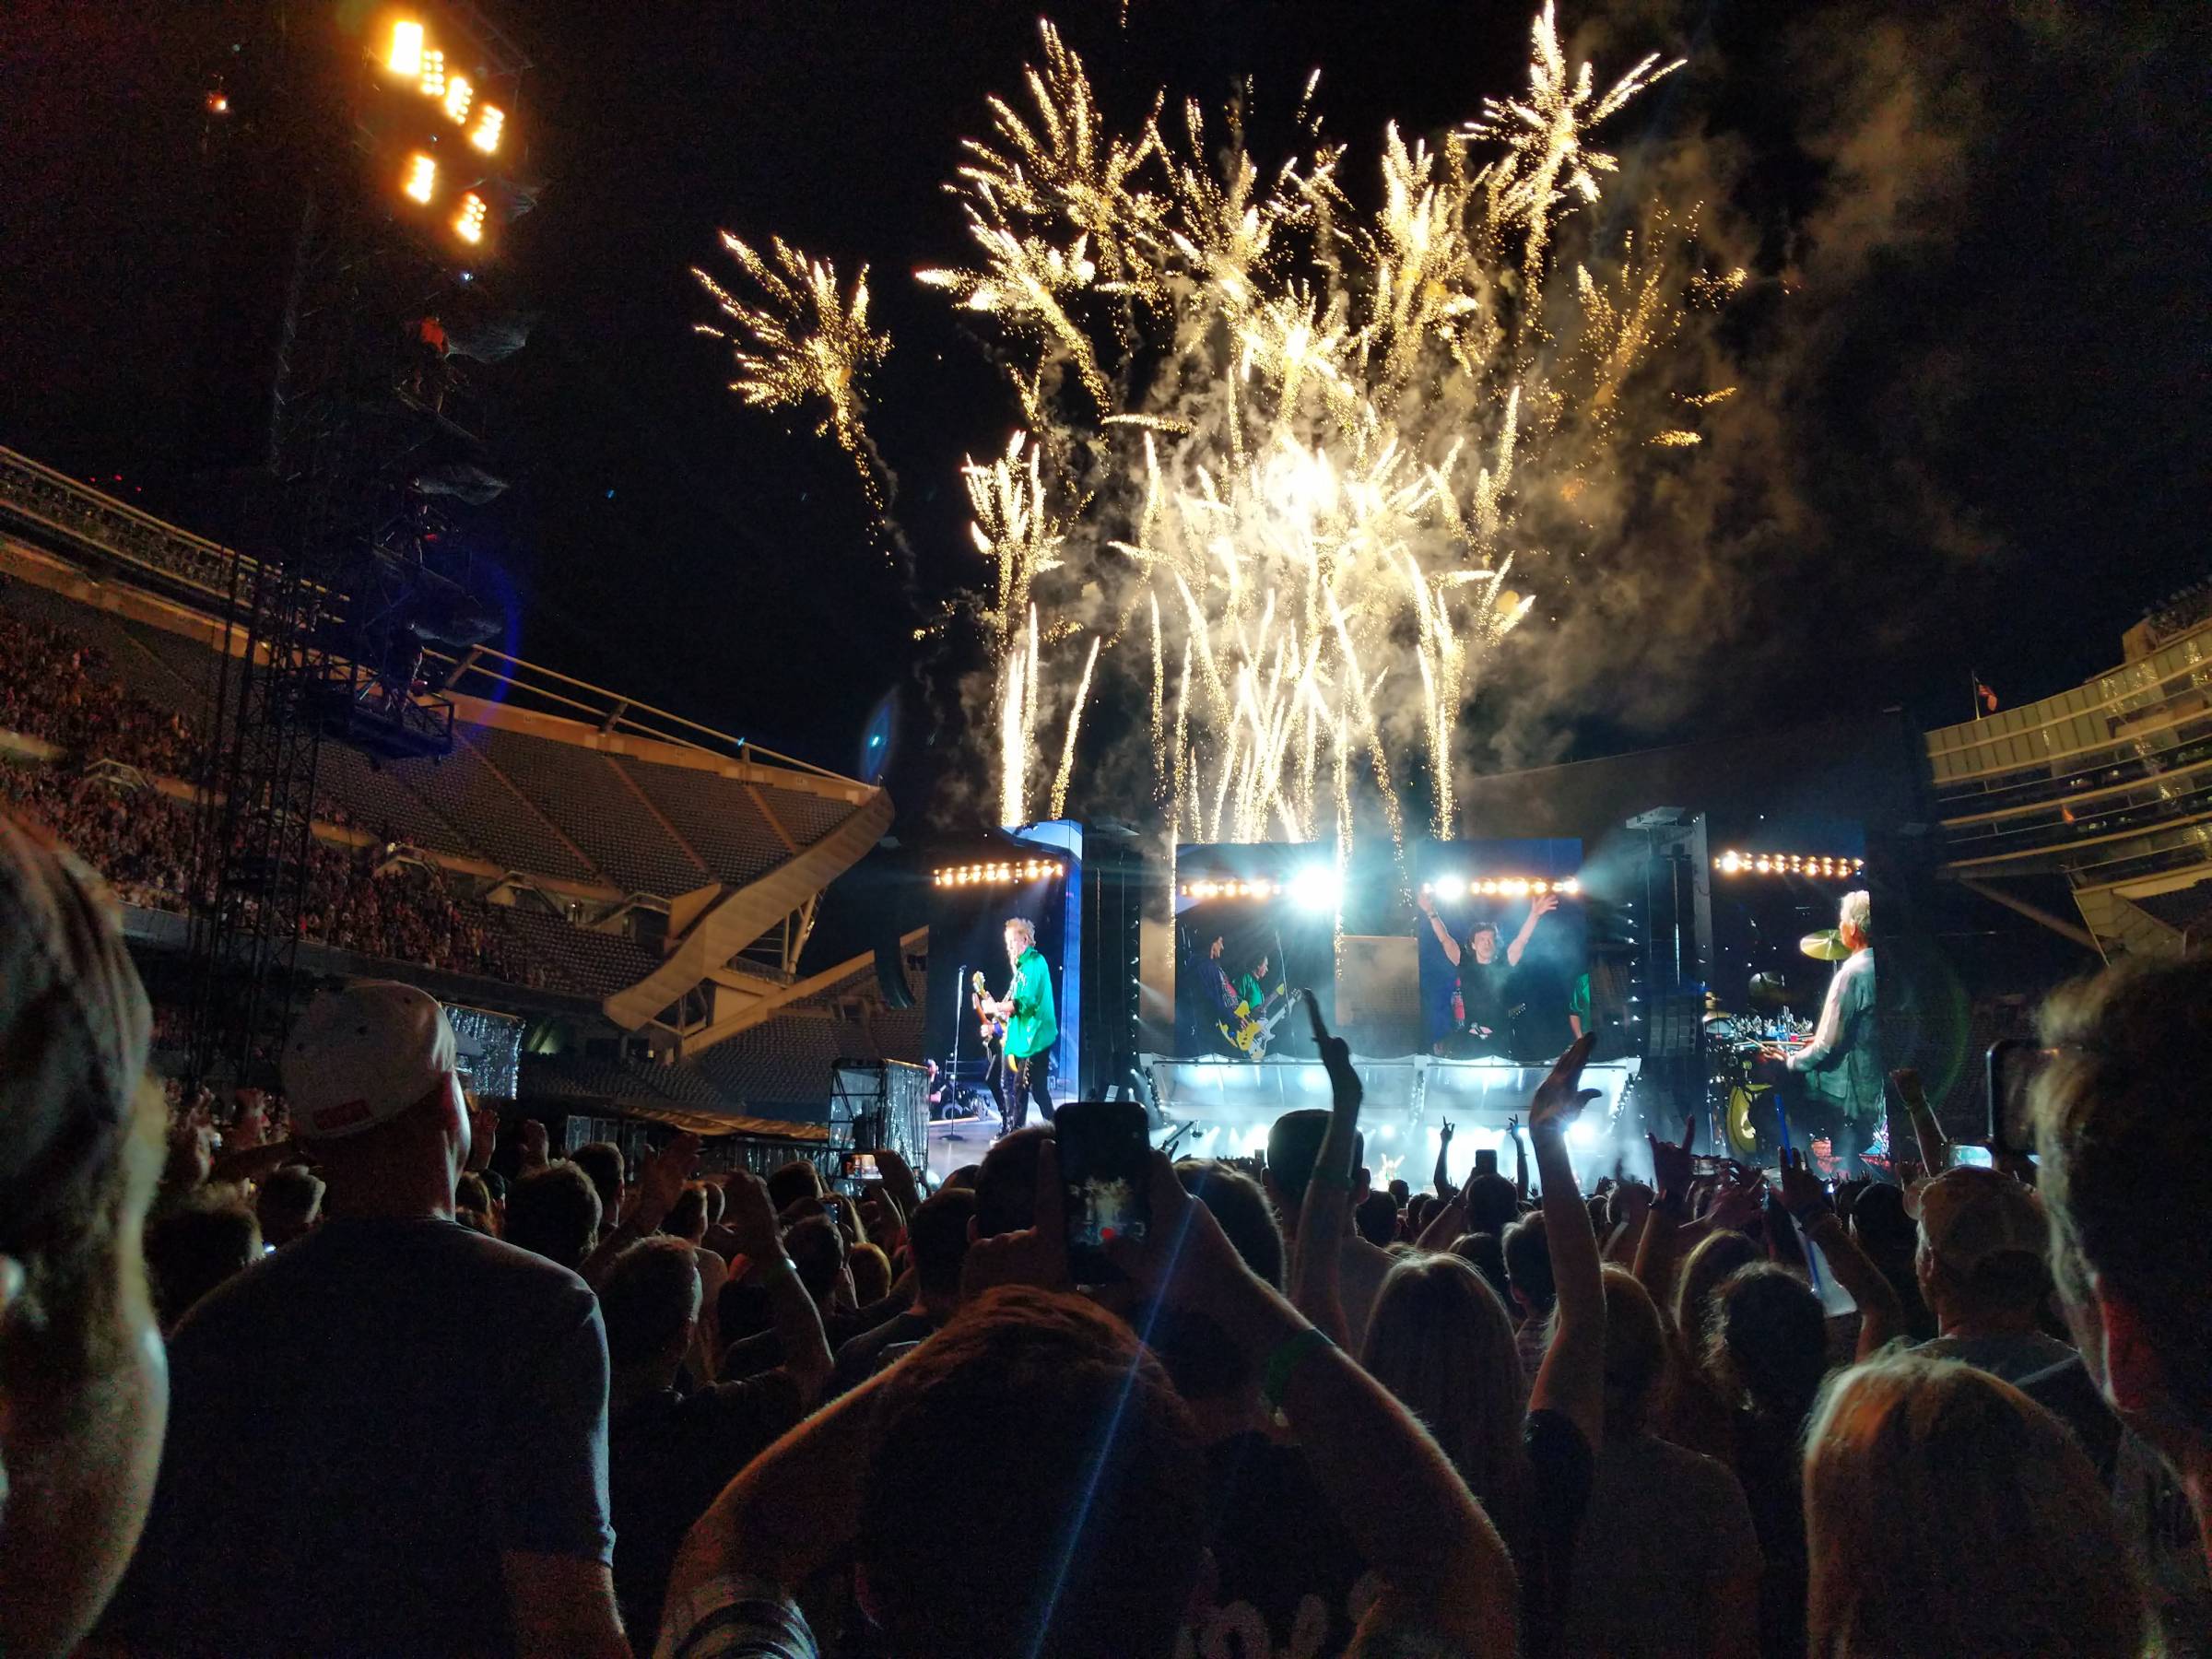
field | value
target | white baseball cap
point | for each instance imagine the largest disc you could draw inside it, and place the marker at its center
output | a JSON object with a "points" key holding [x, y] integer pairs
{"points": [[361, 1057]]}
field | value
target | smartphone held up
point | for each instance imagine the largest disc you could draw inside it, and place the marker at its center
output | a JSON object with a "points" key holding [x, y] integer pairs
{"points": [[1105, 1180]]}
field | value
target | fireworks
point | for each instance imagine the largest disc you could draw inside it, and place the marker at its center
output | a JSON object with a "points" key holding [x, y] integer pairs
{"points": [[1276, 451], [802, 341]]}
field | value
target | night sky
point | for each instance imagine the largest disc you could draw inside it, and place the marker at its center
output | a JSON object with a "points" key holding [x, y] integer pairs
{"points": [[1980, 245]]}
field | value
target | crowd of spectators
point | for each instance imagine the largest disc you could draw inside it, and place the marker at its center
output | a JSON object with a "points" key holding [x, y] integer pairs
{"points": [[359, 899], [62, 691], [434, 1388]]}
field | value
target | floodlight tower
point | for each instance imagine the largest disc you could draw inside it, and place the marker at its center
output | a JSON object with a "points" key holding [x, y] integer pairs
{"points": [[402, 150]]}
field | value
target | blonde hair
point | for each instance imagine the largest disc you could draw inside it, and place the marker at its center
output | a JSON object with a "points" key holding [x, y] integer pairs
{"points": [[1948, 1515], [1440, 1340], [1024, 926], [1856, 911]]}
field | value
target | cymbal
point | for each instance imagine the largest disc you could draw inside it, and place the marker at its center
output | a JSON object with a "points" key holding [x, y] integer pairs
{"points": [[1827, 946], [1772, 989]]}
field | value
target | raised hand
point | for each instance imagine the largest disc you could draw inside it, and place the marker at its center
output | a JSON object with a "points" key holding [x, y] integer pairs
{"points": [[1543, 904], [1034, 1255], [751, 1216], [660, 1180], [1741, 1200], [900, 1187], [1671, 1165], [1186, 1261], [534, 1144], [1446, 1132], [1559, 1098], [1345, 1089], [1800, 1187]]}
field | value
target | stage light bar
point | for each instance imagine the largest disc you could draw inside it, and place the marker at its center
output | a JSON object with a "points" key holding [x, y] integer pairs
{"points": [[1815, 864], [1451, 888], [485, 136], [1226, 888], [421, 181], [997, 875], [468, 224], [458, 96], [406, 55], [433, 73]]}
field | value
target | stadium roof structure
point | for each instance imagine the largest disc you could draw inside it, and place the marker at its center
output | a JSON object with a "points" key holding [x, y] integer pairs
{"points": [[666, 872]]}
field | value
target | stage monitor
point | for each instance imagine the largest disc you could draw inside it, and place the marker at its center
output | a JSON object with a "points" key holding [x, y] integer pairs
{"points": [[1499, 929], [975, 889], [1254, 924]]}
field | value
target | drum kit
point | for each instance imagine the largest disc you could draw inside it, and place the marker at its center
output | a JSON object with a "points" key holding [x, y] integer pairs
{"points": [[1738, 1042]]}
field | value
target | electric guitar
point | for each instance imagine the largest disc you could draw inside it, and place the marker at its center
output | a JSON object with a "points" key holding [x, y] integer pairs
{"points": [[995, 1028], [1254, 1028]]}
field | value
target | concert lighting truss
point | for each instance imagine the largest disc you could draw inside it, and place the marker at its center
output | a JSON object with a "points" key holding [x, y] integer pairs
{"points": [[1451, 887], [1820, 866], [1004, 873]]}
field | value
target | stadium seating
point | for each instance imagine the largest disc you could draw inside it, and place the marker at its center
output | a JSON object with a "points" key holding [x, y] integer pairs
{"points": [[509, 830], [581, 792], [719, 818], [593, 964]]}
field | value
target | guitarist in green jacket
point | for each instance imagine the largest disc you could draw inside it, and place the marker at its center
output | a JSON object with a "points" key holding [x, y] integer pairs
{"points": [[1031, 1029]]}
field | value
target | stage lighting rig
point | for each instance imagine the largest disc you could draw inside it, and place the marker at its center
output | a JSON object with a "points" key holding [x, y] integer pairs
{"points": [[436, 101], [1451, 888], [1003, 874], [1820, 866]]}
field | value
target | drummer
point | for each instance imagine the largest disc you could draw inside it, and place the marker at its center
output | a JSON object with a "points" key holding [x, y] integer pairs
{"points": [[1841, 1069]]}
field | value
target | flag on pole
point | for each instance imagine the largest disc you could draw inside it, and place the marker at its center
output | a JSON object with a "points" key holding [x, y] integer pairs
{"points": [[1986, 701]]}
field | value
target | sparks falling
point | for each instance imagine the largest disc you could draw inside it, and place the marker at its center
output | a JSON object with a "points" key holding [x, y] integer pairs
{"points": [[1275, 451], [802, 342]]}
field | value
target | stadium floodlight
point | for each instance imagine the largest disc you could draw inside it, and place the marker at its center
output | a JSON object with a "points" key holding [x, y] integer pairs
{"points": [[485, 136], [468, 224], [433, 73], [422, 178], [1315, 887], [458, 94], [405, 58], [1451, 888]]}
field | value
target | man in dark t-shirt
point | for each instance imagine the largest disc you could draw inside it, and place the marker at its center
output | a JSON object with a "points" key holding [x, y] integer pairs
{"points": [[391, 1436], [671, 1454]]}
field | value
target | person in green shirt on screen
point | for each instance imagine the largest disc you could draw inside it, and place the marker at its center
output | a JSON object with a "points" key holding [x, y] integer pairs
{"points": [[1031, 1029]]}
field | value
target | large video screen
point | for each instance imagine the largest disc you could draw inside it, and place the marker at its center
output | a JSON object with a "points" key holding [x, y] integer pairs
{"points": [[1501, 934], [1254, 924], [1791, 1035], [972, 899]]}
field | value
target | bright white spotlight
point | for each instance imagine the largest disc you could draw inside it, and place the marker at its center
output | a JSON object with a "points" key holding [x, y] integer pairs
{"points": [[1315, 887], [405, 56], [485, 136], [422, 177], [1581, 1133], [1451, 888], [468, 224]]}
